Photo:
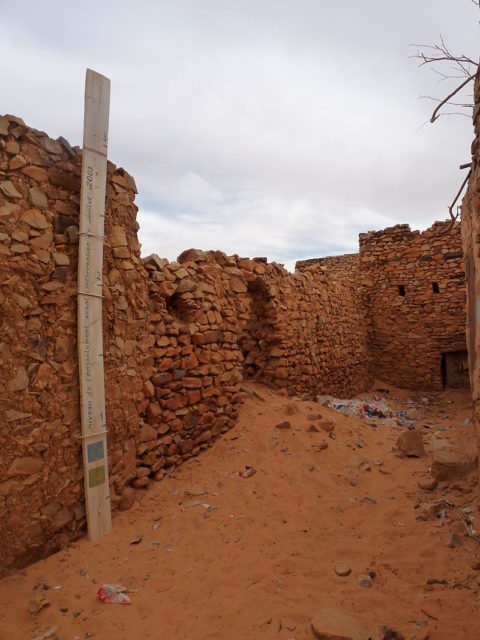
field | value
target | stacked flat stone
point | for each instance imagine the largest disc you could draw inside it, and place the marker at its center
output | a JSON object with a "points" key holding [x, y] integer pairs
{"points": [[470, 214], [41, 477], [179, 337], [414, 285]]}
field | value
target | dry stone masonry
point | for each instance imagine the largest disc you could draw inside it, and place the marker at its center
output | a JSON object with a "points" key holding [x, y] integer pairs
{"points": [[414, 285], [470, 213], [41, 479], [180, 338]]}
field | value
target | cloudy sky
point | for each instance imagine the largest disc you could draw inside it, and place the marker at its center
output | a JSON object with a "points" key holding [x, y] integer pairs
{"points": [[280, 128]]}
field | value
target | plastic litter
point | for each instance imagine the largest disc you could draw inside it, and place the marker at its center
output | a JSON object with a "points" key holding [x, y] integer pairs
{"points": [[247, 472], [113, 594], [367, 409]]}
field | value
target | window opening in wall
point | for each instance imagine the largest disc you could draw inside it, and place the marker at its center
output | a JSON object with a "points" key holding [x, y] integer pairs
{"points": [[178, 307], [435, 287], [401, 289]]}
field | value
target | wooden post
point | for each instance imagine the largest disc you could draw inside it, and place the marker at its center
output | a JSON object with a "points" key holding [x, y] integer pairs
{"points": [[89, 304]]}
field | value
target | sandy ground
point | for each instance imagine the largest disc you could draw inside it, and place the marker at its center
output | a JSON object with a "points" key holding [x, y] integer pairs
{"points": [[254, 557]]}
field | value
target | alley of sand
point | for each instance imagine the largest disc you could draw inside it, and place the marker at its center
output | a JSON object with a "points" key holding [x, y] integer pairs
{"points": [[221, 556]]}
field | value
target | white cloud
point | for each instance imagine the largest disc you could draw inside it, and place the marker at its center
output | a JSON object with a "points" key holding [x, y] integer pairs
{"points": [[274, 128]]}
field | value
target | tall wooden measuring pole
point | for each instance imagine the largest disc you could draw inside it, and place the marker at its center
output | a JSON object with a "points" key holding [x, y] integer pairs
{"points": [[89, 304]]}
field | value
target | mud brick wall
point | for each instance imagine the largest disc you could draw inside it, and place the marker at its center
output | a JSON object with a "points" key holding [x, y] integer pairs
{"points": [[41, 479], [413, 284], [470, 214]]}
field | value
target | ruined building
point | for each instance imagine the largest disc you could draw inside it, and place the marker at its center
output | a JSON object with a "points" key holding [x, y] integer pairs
{"points": [[180, 337]]}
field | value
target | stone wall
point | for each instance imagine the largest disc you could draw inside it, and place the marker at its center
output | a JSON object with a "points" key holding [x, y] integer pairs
{"points": [[217, 320], [41, 478], [470, 214], [339, 325], [344, 266], [179, 338], [413, 284]]}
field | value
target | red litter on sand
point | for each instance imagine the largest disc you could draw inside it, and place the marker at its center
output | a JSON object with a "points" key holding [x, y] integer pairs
{"points": [[247, 472], [113, 594]]}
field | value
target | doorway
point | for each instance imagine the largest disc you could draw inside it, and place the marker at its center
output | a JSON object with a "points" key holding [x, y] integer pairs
{"points": [[454, 368]]}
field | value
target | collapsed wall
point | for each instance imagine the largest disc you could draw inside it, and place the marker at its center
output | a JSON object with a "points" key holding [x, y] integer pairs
{"points": [[413, 284], [301, 332], [179, 338], [216, 320]]}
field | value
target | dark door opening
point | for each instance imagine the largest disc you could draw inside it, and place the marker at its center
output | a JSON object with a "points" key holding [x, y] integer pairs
{"points": [[454, 368], [444, 371], [253, 340]]}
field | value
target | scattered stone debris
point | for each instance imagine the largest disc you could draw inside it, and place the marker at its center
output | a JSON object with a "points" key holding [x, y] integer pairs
{"points": [[364, 581], [410, 444], [427, 484], [247, 472], [387, 633], [271, 445], [451, 461], [49, 634], [342, 570], [453, 540], [196, 491], [436, 509], [327, 425], [335, 624], [38, 601], [291, 409]]}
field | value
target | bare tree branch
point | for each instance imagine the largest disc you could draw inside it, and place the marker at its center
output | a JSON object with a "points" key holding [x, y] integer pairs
{"points": [[459, 193], [464, 105], [450, 95], [460, 66]]}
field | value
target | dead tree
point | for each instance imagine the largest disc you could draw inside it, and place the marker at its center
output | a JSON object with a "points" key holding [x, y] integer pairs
{"points": [[450, 66]]}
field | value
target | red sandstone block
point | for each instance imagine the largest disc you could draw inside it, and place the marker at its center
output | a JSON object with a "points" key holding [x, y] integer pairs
{"points": [[198, 339], [190, 362], [193, 396], [153, 412], [191, 383]]}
